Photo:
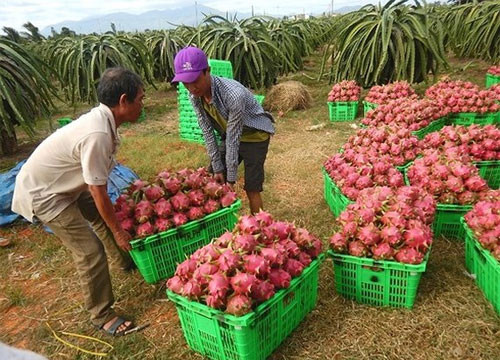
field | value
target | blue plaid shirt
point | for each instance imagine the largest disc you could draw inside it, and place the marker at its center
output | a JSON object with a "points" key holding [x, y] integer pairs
{"points": [[237, 105]]}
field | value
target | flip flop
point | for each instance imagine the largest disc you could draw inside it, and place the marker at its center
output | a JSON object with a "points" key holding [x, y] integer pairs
{"points": [[112, 330]]}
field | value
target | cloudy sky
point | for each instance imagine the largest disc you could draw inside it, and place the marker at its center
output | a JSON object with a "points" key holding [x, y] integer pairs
{"points": [[14, 13]]}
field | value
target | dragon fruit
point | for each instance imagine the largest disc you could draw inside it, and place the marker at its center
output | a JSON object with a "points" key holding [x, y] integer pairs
{"points": [[280, 278], [180, 202], [144, 229], [218, 285], [163, 208], [262, 291], [229, 261], [153, 192], [175, 284], [228, 198], [242, 283], [256, 264], [239, 305], [143, 211]]}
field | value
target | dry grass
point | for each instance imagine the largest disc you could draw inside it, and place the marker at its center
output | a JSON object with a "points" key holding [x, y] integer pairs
{"points": [[450, 320], [287, 96]]}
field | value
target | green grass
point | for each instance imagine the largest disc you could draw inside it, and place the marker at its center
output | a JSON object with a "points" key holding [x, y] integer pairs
{"points": [[451, 318]]}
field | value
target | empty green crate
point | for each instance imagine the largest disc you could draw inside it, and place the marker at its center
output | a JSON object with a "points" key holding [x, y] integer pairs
{"points": [[432, 127], [490, 171], [485, 268], [342, 111], [447, 221], [254, 336], [367, 106], [337, 202], [157, 256], [222, 68], [492, 80], [259, 98], [64, 121], [377, 282], [466, 119]]}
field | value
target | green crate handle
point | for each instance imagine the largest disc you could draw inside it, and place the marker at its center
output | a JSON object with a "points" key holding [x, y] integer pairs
{"points": [[197, 227]]}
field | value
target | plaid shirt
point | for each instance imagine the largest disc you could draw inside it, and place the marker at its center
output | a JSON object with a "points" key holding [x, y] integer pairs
{"points": [[237, 105]]}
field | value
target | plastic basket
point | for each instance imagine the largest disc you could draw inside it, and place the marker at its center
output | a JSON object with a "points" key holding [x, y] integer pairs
{"points": [[256, 335], [259, 98], [484, 266], [377, 282], [467, 119], [64, 121], [157, 256], [337, 202], [222, 68], [367, 106], [447, 221], [432, 127], [492, 80], [342, 111], [490, 171]]}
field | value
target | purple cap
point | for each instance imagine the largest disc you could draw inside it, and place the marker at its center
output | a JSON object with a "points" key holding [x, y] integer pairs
{"points": [[188, 64]]}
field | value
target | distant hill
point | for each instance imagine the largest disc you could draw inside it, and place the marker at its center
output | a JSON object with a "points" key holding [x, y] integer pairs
{"points": [[155, 19], [346, 9]]}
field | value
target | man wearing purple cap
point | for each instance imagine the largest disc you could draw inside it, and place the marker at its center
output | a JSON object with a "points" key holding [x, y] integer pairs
{"points": [[226, 106]]}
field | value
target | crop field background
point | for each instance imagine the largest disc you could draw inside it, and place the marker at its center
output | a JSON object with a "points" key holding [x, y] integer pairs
{"points": [[38, 287]]}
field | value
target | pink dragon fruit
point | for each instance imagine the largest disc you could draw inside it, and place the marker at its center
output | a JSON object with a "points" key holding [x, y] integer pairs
{"points": [[186, 269], [280, 278], [245, 243], [357, 248], [242, 283], [264, 218], [153, 192], [180, 202], [218, 285], [175, 284], [338, 243], [143, 211], [239, 305], [162, 224], [229, 261], [224, 240], [211, 206], [228, 198], [213, 190], [145, 229], [409, 255], [248, 225], [262, 291], [256, 264], [293, 267], [215, 301], [179, 219], [163, 208], [382, 251], [195, 213], [192, 290]]}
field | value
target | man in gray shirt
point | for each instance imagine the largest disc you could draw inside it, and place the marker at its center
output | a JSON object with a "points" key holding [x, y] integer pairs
{"points": [[64, 185]]}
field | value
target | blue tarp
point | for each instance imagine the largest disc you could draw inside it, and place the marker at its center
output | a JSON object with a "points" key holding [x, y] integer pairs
{"points": [[120, 177]]}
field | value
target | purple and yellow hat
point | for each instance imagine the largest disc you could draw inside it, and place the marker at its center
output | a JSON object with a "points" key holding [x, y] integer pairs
{"points": [[188, 64]]}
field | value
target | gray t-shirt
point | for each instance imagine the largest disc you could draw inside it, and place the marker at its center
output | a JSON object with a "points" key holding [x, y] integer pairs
{"points": [[64, 164]]}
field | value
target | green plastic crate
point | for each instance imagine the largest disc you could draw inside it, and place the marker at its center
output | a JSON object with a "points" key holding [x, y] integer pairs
{"points": [[492, 80], [337, 202], [157, 256], [342, 111], [490, 171], [259, 98], [377, 282], [466, 119], [367, 106], [64, 121], [485, 268], [447, 221], [253, 336], [432, 127]]}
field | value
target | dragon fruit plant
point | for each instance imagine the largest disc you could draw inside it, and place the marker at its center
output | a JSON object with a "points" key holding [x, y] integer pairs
{"points": [[386, 224], [382, 94], [245, 267], [347, 90], [172, 200], [484, 221], [481, 143]]}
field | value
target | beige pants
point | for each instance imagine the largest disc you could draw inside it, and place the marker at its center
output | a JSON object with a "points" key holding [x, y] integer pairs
{"points": [[88, 246]]}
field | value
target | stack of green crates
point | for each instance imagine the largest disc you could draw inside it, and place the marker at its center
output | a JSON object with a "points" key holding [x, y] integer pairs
{"points": [[188, 122], [254, 336], [342, 111]]}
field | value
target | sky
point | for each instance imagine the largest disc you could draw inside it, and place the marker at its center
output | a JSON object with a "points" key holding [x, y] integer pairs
{"points": [[14, 13]]}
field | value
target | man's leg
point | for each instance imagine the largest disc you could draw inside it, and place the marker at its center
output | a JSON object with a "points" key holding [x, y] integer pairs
{"points": [[90, 260], [255, 201], [89, 211], [254, 157]]}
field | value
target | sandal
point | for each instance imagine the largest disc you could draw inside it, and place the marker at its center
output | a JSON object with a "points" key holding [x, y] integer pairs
{"points": [[113, 328]]}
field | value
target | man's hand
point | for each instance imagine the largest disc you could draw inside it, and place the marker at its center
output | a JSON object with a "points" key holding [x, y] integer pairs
{"points": [[122, 239], [219, 177]]}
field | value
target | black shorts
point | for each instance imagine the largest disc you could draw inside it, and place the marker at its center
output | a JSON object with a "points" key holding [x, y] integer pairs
{"points": [[253, 155]]}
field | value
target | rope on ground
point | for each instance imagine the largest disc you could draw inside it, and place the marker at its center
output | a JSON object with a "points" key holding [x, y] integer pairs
{"points": [[102, 354]]}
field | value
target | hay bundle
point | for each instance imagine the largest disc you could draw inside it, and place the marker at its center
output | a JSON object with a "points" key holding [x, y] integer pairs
{"points": [[290, 95]]}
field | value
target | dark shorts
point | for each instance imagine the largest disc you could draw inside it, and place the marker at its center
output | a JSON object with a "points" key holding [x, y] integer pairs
{"points": [[253, 156]]}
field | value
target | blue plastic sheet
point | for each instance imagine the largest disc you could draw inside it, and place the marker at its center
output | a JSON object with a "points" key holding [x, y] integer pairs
{"points": [[120, 177]]}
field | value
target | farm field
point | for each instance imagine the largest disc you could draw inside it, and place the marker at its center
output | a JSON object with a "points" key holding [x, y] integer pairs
{"points": [[450, 320]]}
